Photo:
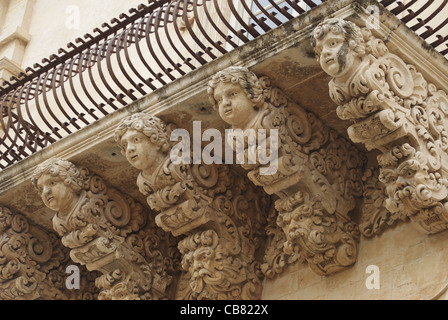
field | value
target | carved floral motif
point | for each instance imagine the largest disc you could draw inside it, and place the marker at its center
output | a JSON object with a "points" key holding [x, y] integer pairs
{"points": [[107, 231], [394, 110]]}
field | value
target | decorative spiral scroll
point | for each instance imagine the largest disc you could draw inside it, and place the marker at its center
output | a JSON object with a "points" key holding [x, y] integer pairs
{"points": [[205, 175], [117, 210], [19, 224], [298, 125], [40, 246], [26, 285], [136, 242], [347, 254], [96, 185], [400, 78], [420, 116]]}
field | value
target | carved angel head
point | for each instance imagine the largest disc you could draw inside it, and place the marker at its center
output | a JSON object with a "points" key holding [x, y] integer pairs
{"points": [[339, 45], [59, 183], [237, 94], [144, 140]]}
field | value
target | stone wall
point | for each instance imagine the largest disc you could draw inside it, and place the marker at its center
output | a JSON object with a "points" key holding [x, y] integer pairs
{"points": [[410, 267], [356, 208]]}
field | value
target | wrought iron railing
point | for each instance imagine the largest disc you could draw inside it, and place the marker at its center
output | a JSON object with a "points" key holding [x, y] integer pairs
{"points": [[146, 49]]}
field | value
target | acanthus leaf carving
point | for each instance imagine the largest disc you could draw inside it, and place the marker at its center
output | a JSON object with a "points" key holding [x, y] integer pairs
{"points": [[33, 263], [314, 163], [105, 230], [395, 110], [375, 216], [217, 213]]}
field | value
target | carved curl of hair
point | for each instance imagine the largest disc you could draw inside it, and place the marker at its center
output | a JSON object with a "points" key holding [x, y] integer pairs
{"points": [[248, 80], [72, 176], [152, 127], [351, 32]]}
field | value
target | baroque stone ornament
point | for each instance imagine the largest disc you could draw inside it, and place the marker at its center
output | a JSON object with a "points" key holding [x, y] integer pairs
{"points": [[317, 179], [107, 231], [375, 217], [33, 263], [218, 213], [394, 110]]}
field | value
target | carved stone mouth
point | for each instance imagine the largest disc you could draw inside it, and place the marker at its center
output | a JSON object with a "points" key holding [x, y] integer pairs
{"points": [[330, 61]]}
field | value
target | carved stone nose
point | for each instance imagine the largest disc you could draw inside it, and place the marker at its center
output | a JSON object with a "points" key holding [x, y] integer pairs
{"points": [[46, 190]]}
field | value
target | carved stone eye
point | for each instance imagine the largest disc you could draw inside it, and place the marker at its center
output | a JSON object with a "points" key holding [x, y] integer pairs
{"points": [[409, 173]]}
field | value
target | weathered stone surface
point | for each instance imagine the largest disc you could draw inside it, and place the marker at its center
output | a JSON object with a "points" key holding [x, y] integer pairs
{"points": [[220, 213], [396, 111], [107, 231], [317, 176], [193, 239], [33, 263]]}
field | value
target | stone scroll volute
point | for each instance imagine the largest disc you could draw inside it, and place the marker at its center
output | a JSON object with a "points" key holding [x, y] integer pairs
{"points": [[34, 263], [217, 213], [394, 110], [317, 177], [107, 231]]}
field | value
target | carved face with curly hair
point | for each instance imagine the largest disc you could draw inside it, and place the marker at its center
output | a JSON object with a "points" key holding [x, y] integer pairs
{"points": [[339, 45], [59, 184], [237, 95], [144, 141]]}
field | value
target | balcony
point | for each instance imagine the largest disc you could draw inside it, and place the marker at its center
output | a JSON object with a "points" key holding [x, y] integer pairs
{"points": [[157, 59]]}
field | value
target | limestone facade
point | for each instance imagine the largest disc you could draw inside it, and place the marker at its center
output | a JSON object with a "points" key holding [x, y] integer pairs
{"points": [[338, 188]]}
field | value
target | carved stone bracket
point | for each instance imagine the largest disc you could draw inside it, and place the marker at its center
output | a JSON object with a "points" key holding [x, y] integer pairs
{"points": [[107, 231], [318, 174], [33, 263], [218, 213], [394, 110], [375, 217]]}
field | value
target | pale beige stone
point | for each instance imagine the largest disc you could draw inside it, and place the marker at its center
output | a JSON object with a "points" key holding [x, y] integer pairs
{"points": [[314, 171], [412, 264], [211, 205], [388, 99], [107, 231]]}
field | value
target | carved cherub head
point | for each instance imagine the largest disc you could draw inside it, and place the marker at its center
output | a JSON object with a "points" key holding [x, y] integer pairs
{"points": [[144, 141], [339, 45], [59, 184], [237, 94]]}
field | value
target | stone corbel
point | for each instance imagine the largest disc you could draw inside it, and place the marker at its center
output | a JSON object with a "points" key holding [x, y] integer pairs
{"points": [[318, 173], [394, 110], [107, 231], [218, 214], [33, 263], [375, 217], [14, 36]]}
